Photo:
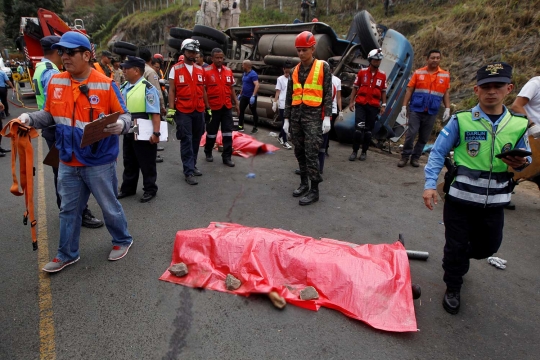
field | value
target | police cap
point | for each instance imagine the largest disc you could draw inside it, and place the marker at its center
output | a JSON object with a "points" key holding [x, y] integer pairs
{"points": [[499, 72], [133, 61], [48, 41]]}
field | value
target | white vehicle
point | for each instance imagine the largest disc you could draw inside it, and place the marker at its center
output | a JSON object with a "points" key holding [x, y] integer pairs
{"points": [[4, 68]]}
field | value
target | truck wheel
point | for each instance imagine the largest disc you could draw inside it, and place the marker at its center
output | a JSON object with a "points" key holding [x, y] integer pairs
{"points": [[125, 45], [207, 44], [210, 33], [179, 33], [175, 43], [124, 52], [366, 26]]}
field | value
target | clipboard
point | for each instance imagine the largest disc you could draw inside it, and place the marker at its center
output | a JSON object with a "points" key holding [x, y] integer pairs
{"points": [[93, 132], [144, 128], [53, 157]]}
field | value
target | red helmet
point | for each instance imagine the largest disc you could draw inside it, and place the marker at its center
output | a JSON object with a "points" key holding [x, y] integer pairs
{"points": [[305, 39], [158, 57], [315, 20]]}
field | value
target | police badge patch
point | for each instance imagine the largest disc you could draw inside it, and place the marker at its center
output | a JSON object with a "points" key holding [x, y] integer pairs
{"points": [[506, 147], [473, 147], [150, 99]]}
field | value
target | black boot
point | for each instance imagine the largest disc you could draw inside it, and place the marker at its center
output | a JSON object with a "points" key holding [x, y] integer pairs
{"points": [[451, 301], [312, 196], [303, 188]]}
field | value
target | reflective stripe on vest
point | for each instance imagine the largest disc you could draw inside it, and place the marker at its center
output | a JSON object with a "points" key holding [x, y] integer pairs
{"points": [[40, 69], [311, 94], [482, 179]]}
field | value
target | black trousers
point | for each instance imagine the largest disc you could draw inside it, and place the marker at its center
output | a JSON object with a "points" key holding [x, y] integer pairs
{"points": [[367, 115], [4, 99], [139, 155], [224, 118], [244, 102], [471, 233]]}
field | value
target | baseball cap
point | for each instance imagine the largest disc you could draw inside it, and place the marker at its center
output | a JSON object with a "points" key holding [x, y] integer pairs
{"points": [[48, 41], [499, 72], [107, 54], [72, 40], [133, 61]]}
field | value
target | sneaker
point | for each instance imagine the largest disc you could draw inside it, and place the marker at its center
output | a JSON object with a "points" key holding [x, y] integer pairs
{"points": [[363, 156], [119, 251], [281, 141], [190, 179], [56, 265], [2, 150], [254, 130], [287, 146]]}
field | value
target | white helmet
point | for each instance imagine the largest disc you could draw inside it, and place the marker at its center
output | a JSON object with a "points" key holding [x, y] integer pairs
{"points": [[375, 54], [190, 44]]}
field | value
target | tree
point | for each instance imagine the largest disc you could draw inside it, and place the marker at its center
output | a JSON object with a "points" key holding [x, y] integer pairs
{"points": [[15, 9]]}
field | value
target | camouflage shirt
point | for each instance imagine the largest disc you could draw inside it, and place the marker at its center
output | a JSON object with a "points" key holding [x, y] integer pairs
{"points": [[302, 109], [151, 75]]}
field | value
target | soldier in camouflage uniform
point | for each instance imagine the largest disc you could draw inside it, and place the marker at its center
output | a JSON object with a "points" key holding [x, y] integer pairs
{"points": [[309, 109]]}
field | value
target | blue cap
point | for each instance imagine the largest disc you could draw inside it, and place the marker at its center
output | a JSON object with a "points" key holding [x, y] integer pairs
{"points": [[499, 72], [72, 40], [48, 41], [133, 61]]}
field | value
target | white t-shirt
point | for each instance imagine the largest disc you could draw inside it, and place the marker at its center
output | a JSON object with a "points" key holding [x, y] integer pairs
{"points": [[336, 86], [281, 85], [531, 91], [189, 67]]}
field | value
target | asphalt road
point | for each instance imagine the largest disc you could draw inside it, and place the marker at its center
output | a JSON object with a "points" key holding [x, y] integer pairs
{"points": [[120, 310]]}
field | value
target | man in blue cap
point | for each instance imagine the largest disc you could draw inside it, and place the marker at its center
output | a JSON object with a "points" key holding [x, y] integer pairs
{"points": [[142, 101], [480, 184], [42, 75], [75, 98]]}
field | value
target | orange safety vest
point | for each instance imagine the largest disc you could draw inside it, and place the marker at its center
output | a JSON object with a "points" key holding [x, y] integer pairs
{"points": [[370, 87], [98, 67], [189, 88], [218, 86], [71, 112], [311, 94], [429, 89], [21, 136]]}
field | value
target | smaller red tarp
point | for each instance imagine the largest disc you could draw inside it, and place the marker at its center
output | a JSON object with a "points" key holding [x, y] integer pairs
{"points": [[371, 283], [244, 145]]}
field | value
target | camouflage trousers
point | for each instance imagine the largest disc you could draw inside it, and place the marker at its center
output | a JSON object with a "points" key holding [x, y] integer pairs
{"points": [[306, 136]]}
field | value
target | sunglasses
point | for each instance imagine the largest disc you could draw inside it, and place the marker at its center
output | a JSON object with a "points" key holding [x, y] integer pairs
{"points": [[70, 52]]}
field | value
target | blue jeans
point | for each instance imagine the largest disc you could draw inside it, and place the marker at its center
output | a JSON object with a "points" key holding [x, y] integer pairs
{"points": [[75, 183]]}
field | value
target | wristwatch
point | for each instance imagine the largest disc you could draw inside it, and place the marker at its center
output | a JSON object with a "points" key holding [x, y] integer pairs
{"points": [[157, 134]]}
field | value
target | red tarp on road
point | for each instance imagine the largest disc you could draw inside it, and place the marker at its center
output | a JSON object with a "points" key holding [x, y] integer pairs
{"points": [[371, 283], [243, 145]]}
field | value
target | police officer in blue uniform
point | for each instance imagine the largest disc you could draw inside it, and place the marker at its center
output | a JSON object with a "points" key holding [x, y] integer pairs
{"points": [[142, 101], [479, 185], [45, 70]]}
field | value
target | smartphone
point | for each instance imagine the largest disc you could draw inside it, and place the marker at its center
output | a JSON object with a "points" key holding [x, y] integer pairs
{"points": [[514, 152]]}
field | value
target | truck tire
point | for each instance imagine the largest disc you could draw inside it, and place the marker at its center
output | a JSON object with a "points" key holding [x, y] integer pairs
{"points": [[175, 43], [210, 33], [179, 33], [124, 52], [207, 44], [125, 45], [366, 27]]}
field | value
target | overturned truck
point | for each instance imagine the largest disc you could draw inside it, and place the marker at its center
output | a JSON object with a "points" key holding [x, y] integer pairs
{"points": [[269, 46]]}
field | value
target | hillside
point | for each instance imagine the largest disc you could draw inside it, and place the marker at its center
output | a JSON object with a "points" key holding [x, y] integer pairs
{"points": [[469, 33]]}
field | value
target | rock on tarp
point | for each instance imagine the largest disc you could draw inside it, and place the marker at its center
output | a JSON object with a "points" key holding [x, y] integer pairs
{"points": [[244, 145], [371, 283]]}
